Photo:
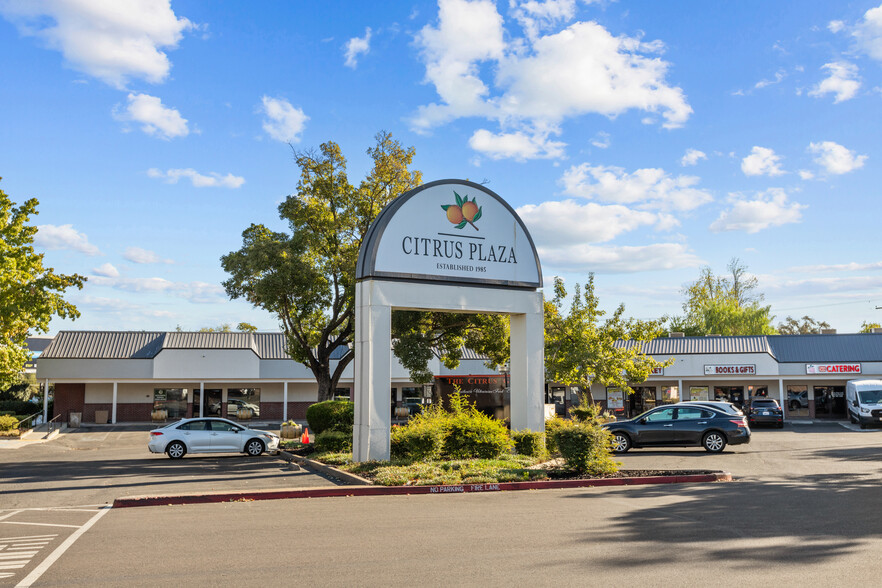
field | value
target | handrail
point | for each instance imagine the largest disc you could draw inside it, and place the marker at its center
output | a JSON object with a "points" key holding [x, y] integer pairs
{"points": [[53, 424], [26, 419]]}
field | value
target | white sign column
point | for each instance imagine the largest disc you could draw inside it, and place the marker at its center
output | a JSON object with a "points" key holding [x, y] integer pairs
{"points": [[373, 375]]}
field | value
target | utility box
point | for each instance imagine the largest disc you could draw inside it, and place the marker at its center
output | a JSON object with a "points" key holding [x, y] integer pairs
{"points": [[101, 417], [74, 419]]}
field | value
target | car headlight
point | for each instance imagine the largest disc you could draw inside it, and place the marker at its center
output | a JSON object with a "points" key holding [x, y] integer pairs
{"points": [[865, 410]]}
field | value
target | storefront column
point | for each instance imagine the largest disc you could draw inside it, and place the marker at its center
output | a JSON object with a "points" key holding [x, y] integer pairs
{"points": [[781, 397], [201, 398], [284, 402], [46, 401], [680, 391], [113, 406]]}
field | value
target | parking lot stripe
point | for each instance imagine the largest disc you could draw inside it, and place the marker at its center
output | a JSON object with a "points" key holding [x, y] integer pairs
{"points": [[59, 551], [38, 524]]}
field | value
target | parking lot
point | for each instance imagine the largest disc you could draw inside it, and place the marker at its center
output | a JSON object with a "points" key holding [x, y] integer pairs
{"points": [[805, 507]]}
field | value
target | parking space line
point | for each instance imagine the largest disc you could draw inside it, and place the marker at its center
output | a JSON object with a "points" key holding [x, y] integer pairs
{"points": [[59, 551], [16, 552], [38, 524]]}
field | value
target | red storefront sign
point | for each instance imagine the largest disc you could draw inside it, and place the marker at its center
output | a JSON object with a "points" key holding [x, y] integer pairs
{"points": [[832, 368]]}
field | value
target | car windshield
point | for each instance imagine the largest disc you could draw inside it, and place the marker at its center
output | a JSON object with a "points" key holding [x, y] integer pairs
{"points": [[766, 403], [870, 396]]}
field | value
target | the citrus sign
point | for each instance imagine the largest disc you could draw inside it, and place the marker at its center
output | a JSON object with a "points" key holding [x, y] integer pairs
{"points": [[475, 237]]}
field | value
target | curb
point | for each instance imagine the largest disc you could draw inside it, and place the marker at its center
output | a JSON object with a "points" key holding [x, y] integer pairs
{"points": [[335, 491], [345, 478]]}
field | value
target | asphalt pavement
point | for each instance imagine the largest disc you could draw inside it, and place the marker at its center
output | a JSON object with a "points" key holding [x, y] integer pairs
{"points": [[806, 509]]}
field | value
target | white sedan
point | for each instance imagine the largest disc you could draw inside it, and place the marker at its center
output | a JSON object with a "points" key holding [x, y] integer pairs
{"points": [[210, 435]]}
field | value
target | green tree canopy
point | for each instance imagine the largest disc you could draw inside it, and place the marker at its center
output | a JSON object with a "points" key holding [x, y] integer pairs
{"points": [[581, 348], [30, 294], [306, 277], [724, 305], [804, 326]]}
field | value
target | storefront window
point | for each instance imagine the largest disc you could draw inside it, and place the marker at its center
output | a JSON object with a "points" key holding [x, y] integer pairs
{"points": [[733, 394], [173, 400], [698, 393], [670, 395], [642, 399], [341, 394], [830, 402], [412, 399], [797, 401], [243, 398]]}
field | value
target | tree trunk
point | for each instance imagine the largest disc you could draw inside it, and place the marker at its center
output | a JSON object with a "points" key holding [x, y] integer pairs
{"points": [[586, 393], [325, 389]]}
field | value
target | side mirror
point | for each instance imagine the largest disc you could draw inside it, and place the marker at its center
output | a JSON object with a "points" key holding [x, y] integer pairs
{"points": [[854, 402]]}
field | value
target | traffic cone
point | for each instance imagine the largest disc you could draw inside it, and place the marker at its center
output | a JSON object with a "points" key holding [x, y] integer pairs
{"points": [[304, 438]]}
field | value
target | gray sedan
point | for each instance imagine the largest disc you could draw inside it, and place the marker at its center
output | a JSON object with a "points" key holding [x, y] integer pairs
{"points": [[210, 435]]}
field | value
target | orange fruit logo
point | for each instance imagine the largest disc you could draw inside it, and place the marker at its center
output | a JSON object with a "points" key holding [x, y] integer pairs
{"points": [[464, 212]]}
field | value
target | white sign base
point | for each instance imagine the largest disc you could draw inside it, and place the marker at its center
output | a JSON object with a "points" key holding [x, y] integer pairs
{"points": [[376, 299]]}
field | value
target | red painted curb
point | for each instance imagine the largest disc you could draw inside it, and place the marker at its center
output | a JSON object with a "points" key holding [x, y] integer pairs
{"points": [[251, 495]]}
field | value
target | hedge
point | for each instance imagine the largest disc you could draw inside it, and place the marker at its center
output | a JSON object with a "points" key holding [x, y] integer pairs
{"points": [[338, 415]]}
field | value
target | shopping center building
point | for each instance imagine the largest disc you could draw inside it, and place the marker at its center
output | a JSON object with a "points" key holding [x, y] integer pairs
{"points": [[124, 376]]}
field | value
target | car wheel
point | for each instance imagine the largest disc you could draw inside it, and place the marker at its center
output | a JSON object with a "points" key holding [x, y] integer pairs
{"points": [[794, 406], [714, 442], [621, 443], [254, 447], [176, 450]]}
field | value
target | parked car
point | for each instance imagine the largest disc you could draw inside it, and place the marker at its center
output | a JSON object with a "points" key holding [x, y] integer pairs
{"points": [[717, 404], [210, 435], [765, 410], [680, 425], [864, 402], [797, 400]]}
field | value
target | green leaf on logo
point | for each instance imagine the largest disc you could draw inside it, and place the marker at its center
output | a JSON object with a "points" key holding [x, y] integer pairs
{"points": [[478, 214], [458, 199], [445, 206], [461, 225]]}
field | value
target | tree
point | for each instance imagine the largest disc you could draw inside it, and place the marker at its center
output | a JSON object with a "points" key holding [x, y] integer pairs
{"points": [[581, 350], [306, 277], [30, 294], [23, 387], [724, 305], [867, 327], [805, 326]]}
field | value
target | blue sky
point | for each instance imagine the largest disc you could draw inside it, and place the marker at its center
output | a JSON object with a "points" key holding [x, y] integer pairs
{"points": [[638, 140]]}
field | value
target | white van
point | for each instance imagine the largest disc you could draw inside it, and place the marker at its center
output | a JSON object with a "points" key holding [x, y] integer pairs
{"points": [[864, 401]]}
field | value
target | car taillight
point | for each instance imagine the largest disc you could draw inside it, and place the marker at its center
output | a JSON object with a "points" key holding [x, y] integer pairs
{"points": [[738, 422], [155, 433]]}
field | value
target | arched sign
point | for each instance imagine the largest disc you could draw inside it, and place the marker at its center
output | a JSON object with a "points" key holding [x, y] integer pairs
{"points": [[450, 231], [450, 246]]}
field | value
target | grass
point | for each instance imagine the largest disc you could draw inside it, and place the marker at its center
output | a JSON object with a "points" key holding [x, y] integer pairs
{"points": [[509, 468]]}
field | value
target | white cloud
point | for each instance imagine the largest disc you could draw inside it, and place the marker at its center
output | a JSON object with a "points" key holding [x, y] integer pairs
{"points": [[138, 255], [834, 26], [196, 292], [107, 270], [806, 174], [155, 118], [762, 161], [618, 260], [120, 308], [212, 180], [839, 267], [601, 140], [769, 209], [283, 121], [692, 157], [54, 237], [357, 46], [518, 145], [843, 81], [652, 188], [570, 222], [868, 33], [835, 158], [113, 41], [540, 81], [779, 75]]}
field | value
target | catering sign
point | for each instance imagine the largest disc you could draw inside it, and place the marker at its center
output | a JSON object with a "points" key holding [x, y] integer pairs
{"points": [[730, 370], [450, 231], [832, 368]]}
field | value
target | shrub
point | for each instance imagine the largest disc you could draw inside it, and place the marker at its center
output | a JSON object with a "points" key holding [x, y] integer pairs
{"points": [[529, 443], [338, 415], [474, 434], [8, 423], [418, 442], [20, 407], [585, 447], [590, 413], [551, 425], [333, 442]]}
